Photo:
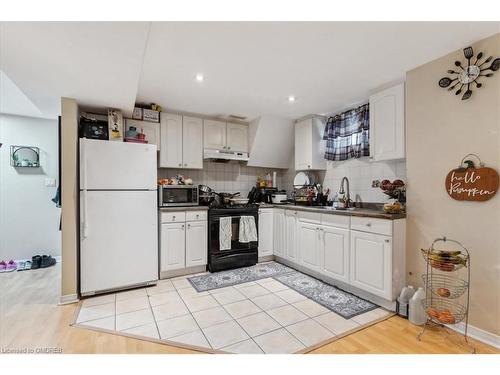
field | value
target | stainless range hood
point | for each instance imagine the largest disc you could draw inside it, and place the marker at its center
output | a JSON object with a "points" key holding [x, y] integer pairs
{"points": [[224, 156]]}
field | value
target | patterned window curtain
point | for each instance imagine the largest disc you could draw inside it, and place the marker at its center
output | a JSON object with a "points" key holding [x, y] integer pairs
{"points": [[347, 134]]}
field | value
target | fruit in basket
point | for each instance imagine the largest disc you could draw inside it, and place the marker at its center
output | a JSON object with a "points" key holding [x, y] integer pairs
{"points": [[433, 313], [447, 267], [446, 317], [443, 292], [444, 260]]}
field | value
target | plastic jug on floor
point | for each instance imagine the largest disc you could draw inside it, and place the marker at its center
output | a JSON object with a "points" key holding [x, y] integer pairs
{"points": [[417, 310]]}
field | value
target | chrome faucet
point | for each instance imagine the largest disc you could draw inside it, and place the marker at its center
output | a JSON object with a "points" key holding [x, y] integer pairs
{"points": [[342, 191]]}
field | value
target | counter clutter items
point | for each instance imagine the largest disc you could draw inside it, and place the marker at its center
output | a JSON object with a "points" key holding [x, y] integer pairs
{"points": [[176, 180]]}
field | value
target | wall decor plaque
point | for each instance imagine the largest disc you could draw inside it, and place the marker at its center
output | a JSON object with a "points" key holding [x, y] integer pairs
{"points": [[468, 183]]}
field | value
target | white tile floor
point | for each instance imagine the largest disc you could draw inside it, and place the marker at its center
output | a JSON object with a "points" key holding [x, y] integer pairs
{"points": [[264, 316]]}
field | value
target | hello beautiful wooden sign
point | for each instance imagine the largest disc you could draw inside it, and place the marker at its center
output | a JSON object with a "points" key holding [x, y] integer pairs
{"points": [[472, 184]]}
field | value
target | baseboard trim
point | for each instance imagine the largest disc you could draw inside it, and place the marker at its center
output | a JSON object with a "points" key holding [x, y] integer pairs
{"points": [[477, 334], [68, 299]]}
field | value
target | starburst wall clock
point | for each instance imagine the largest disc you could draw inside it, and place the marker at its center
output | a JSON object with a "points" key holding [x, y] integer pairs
{"points": [[466, 77]]}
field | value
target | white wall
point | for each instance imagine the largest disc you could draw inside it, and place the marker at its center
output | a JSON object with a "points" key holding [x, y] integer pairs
{"points": [[29, 220]]}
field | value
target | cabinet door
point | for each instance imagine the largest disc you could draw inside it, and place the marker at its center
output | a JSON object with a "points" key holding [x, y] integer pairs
{"points": [[265, 232], [291, 236], [303, 144], [309, 245], [192, 142], [279, 232], [335, 253], [150, 129], [196, 243], [237, 137], [371, 263], [214, 134], [171, 141], [387, 124], [172, 247]]}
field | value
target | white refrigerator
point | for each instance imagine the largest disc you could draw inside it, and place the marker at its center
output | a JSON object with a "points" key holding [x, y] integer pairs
{"points": [[118, 216]]}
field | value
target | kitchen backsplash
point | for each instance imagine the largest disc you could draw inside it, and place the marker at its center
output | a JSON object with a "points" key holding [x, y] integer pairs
{"points": [[234, 177], [224, 177], [360, 172]]}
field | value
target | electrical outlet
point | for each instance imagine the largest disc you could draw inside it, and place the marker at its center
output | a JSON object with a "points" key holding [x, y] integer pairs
{"points": [[50, 182]]}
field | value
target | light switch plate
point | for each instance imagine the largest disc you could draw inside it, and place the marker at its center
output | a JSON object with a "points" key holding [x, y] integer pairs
{"points": [[50, 182]]}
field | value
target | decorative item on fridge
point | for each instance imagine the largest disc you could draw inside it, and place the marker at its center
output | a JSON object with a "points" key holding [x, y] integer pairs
{"points": [[137, 114], [447, 283], [115, 125]]}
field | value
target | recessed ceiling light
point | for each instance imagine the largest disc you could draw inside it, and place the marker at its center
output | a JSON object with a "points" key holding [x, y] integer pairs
{"points": [[199, 77], [291, 98]]}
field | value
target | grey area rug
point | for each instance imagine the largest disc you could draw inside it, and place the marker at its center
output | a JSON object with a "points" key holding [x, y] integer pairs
{"points": [[345, 304], [237, 276]]}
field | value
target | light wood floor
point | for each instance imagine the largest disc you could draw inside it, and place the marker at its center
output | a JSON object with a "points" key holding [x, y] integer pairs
{"points": [[30, 317]]}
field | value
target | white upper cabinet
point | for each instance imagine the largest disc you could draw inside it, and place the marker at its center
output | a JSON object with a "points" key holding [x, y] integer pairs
{"points": [[219, 135], [150, 129], [309, 144], [214, 134], [192, 142], [181, 141], [171, 141], [237, 137], [387, 124]]}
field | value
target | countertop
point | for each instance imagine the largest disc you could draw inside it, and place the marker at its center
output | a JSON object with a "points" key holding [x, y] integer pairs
{"points": [[185, 208], [358, 211]]}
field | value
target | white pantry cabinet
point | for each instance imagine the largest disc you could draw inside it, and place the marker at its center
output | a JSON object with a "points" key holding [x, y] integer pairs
{"points": [[181, 139], [309, 144], [150, 129], [266, 238], [279, 232], [387, 124], [183, 241], [225, 136], [371, 263]]}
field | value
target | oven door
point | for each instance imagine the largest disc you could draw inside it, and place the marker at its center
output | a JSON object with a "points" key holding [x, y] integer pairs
{"points": [[240, 254]]}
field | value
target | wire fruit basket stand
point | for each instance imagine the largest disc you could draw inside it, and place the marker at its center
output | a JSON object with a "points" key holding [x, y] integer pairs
{"points": [[447, 293]]}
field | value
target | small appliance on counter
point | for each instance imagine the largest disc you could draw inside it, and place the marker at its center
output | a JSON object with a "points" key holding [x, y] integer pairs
{"points": [[265, 195], [279, 197], [93, 128], [177, 195]]}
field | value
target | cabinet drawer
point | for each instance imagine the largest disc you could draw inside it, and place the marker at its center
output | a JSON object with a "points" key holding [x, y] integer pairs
{"points": [[196, 215], [309, 217], [338, 221], [173, 217], [372, 225]]}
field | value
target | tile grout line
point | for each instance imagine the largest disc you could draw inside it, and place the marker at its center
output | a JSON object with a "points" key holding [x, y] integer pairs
{"points": [[153, 314]]}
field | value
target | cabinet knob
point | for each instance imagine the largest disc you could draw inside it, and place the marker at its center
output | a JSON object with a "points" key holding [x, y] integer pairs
{"points": [[173, 217], [309, 166], [189, 226], [182, 226], [229, 148], [387, 241], [197, 216], [180, 165], [368, 224]]}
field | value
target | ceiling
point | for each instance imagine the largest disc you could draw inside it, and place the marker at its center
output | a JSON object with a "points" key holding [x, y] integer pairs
{"points": [[250, 69]]}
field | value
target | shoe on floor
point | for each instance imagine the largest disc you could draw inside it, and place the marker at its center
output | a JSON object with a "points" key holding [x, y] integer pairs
{"points": [[47, 261], [11, 266], [3, 266], [35, 262]]}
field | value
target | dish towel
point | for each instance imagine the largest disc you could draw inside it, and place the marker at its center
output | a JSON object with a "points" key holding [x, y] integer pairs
{"points": [[225, 233], [248, 230]]}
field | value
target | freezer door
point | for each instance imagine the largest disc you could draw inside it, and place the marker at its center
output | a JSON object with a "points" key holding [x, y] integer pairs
{"points": [[108, 165], [118, 238]]}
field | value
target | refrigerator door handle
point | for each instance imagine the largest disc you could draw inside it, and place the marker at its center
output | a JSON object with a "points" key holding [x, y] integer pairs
{"points": [[84, 214], [83, 162]]}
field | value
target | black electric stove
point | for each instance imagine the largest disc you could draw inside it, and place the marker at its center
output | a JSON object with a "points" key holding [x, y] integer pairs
{"points": [[240, 254]]}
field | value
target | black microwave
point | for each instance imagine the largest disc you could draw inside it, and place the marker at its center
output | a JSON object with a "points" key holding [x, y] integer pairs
{"points": [[177, 195]]}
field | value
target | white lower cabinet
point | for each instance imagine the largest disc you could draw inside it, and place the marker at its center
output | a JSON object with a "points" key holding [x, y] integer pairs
{"points": [[196, 243], [371, 263], [309, 243], [335, 253], [183, 244], [279, 232], [266, 232], [173, 246], [291, 236]]}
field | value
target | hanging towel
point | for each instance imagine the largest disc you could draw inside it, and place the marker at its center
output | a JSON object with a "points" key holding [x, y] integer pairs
{"points": [[248, 230], [225, 233]]}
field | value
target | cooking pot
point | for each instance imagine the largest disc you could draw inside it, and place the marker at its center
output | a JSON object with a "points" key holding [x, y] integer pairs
{"points": [[279, 198]]}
